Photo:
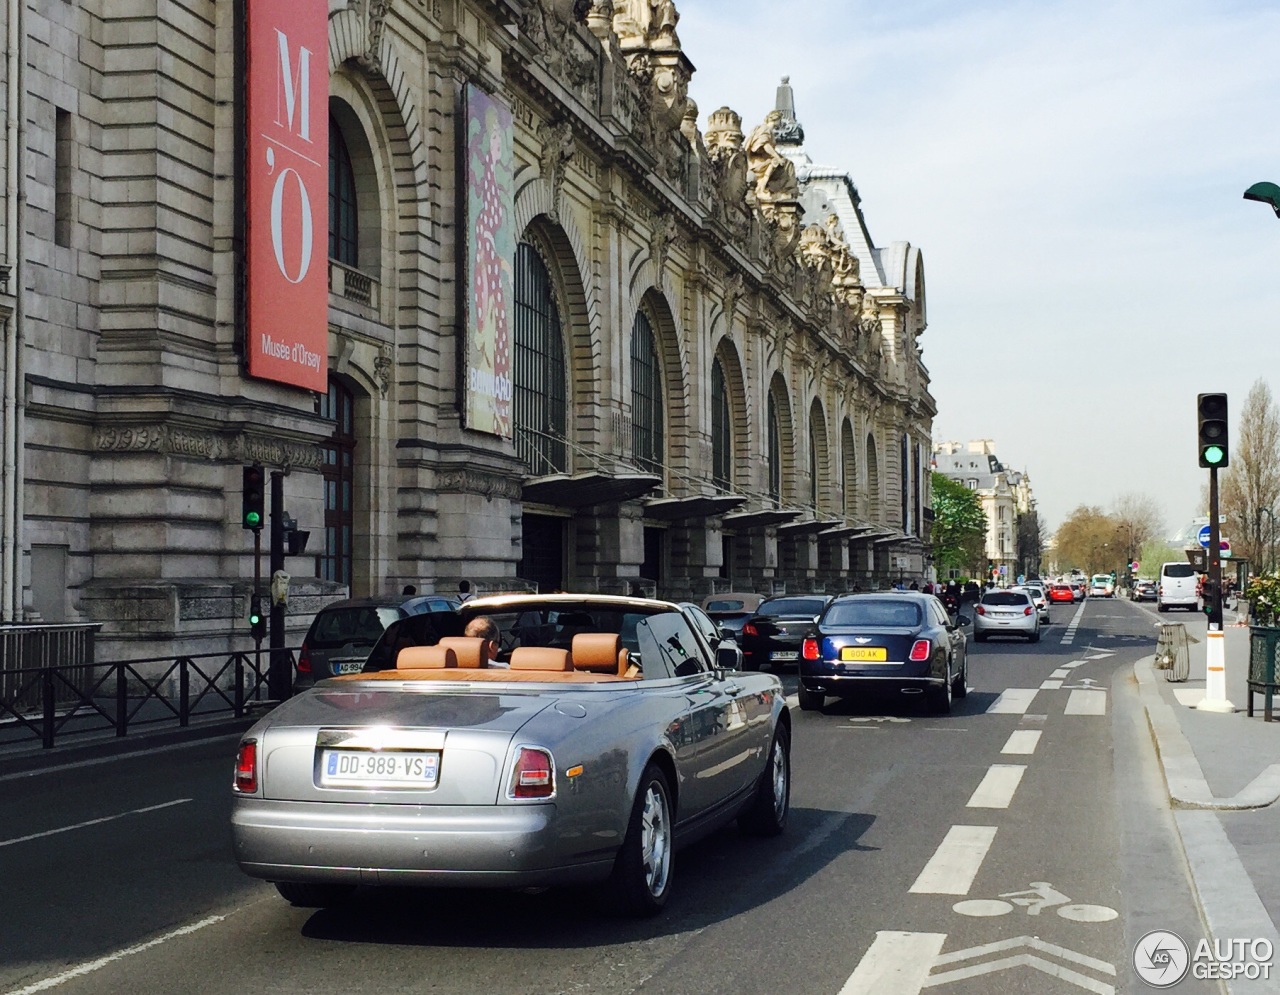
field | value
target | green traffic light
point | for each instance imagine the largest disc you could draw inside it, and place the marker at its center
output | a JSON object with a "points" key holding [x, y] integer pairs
{"points": [[252, 519], [255, 619], [1213, 455]]}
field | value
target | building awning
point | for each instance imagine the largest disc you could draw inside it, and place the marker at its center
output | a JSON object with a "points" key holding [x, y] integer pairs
{"points": [[896, 537], [580, 490], [872, 533], [809, 526], [842, 532], [760, 519], [672, 509]]}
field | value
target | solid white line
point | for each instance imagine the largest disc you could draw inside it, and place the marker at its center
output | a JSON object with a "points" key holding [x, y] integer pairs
{"points": [[954, 865], [90, 966], [96, 761], [1014, 701], [93, 822], [997, 788], [1086, 702], [1022, 741], [896, 963], [1050, 685]]}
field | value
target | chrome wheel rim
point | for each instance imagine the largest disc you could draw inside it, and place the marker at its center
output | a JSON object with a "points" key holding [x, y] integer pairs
{"points": [[655, 840], [779, 771]]}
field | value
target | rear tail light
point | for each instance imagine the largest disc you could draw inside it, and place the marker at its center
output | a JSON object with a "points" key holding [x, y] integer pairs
{"points": [[980, 610], [750, 630], [809, 650], [1027, 611], [920, 650], [247, 768], [304, 659], [534, 774]]}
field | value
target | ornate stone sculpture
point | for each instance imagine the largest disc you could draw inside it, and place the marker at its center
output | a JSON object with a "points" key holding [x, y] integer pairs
{"points": [[774, 174], [557, 149], [377, 15], [664, 232]]}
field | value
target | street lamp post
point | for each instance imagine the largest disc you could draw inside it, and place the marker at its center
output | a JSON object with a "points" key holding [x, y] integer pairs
{"points": [[1271, 560]]}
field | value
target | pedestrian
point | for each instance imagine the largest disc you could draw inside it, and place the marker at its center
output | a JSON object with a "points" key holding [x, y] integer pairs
{"points": [[464, 591], [915, 585]]}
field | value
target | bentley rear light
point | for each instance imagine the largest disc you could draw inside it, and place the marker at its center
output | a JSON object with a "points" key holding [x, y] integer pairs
{"points": [[750, 630], [247, 768], [534, 774], [809, 650], [304, 659], [920, 650]]}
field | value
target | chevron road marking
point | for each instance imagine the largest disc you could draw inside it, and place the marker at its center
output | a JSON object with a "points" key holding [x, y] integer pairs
{"points": [[1024, 960]]}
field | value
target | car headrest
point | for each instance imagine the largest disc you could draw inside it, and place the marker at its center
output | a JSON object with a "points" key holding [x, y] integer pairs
{"points": [[540, 658], [470, 650], [426, 658], [596, 652]]}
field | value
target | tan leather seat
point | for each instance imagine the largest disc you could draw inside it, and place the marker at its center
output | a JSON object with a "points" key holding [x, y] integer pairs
{"points": [[596, 652], [470, 650], [426, 658], [540, 658]]}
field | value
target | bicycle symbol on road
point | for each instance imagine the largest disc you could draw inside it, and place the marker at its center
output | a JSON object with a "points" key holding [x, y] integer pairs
{"points": [[1041, 895]]}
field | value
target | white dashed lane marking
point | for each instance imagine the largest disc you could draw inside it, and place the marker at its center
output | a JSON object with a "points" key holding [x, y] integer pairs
{"points": [[896, 963], [1086, 702], [1013, 701], [1022, 741], [954, 865], [998, 786]]}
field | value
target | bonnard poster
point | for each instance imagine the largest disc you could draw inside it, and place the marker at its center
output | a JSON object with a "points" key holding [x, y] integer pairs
{"points": [[287, 178], [490, 250]]}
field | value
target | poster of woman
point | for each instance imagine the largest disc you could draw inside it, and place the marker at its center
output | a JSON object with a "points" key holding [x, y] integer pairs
{"points": [[490, 248]]}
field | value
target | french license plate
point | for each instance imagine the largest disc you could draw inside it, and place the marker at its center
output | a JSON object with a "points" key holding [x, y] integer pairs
{"points": [[362, 767], [347, 666], [872, 654], [785, 655]]}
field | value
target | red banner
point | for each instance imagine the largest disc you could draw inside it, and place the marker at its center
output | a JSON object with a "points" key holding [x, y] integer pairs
{"points": [[287, 177]]}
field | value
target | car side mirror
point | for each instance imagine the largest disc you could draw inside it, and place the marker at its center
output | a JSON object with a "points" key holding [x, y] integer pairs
{"points": [[729, 657], [963, 620], [727, 634]]}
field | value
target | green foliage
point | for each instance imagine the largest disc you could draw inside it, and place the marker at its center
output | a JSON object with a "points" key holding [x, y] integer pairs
{"points": [[1263, 594], [959, 524]]}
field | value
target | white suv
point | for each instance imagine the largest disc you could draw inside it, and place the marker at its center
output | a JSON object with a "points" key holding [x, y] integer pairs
{"points": [[1176, 587]]}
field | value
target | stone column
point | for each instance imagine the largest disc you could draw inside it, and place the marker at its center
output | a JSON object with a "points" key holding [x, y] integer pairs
{"points": [[607, 550]]}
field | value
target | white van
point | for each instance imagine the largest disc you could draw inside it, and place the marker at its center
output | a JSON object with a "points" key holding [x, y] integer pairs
{"points": [[1176, 587]]}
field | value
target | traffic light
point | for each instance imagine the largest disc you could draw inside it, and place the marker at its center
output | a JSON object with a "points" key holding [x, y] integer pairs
{"points": [[1210, 595], [257, 620], [1211, 411], [251, 516]]}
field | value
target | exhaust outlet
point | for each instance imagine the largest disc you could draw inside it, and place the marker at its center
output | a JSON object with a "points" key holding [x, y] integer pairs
{"points": [[913, 690]]}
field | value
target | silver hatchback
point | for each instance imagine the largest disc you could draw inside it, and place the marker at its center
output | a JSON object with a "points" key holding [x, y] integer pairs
{"points": [[1006, 613]]}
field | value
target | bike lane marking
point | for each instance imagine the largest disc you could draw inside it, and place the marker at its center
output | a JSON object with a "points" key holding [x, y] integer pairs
{"points": [[1086, 701], [896, 963], [1013, 701], [1022, 741], [997, 788], [954, 865]]}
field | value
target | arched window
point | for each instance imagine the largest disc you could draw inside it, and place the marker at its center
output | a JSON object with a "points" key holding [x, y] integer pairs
{"points": [[775, 453], [646, 397], [539, 390], [849, 461], [344, 231], [813, 468], [338, 406], [721, 429], [904, 457]]}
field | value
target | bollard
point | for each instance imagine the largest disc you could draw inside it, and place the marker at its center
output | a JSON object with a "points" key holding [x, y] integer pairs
{"points": [[1215, 683]]}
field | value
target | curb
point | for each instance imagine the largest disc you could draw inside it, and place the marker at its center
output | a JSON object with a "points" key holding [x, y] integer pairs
{"points": [[1183, 775]]}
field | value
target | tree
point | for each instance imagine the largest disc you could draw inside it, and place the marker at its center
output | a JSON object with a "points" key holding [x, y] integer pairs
{"points": [[1030, 540], [1087, 540], [959, 525], [1250, 486], [1154, 552], [1138, 519]]}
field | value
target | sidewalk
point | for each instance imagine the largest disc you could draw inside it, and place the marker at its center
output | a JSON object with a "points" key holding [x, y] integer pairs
{"points": [[1223, 777]]}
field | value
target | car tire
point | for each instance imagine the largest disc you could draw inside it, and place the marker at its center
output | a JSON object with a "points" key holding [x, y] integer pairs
{"points": [[1161, 608], [749, 664], [1034, 637], [960, 686], [979, 637], [811, 701], [940, 698], [641, 879], [767, 815], [310, 895]]}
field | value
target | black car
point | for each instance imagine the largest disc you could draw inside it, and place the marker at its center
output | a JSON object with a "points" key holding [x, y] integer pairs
{"points": [[896, 640], [774, 633], [343, 633], [731, 611]]}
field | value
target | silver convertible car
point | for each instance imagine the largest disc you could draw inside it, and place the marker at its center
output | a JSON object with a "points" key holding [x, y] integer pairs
{"points": [[603, 733]]}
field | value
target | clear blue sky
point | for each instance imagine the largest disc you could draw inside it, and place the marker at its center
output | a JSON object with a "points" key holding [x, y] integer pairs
{"points": [[1072, 172]]}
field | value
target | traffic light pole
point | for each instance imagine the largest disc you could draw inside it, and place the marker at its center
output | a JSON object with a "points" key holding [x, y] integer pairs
{"points": [[279, 679], [257, 590], [1215, 689]]}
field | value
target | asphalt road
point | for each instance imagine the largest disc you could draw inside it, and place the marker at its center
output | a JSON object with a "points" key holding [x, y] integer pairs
{"points": [[1021, 844]]}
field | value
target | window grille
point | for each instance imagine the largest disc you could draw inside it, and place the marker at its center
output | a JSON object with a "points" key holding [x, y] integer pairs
{"points": [[343, 226], [775, 453], [721, 429], [338, 472], [539, 389], [647, 441]]}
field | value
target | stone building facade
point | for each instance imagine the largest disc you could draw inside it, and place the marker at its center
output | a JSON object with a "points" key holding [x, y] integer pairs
{"points": [[1005, 494], [719, 380]]}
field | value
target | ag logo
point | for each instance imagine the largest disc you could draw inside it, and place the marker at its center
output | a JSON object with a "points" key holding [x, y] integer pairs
{"points": [[1161, 958]]}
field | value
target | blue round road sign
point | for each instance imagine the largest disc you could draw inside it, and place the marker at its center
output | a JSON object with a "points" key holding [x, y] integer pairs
{"points": [[1203, 536]]}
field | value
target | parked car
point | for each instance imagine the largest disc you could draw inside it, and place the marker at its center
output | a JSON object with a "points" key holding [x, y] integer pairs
{"points": [[1061, 594], [898, 641], [590, 763], [731, 611], [1006, 613], [1039, 598], [1144, 590], [772, 636], [342, 634]]}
